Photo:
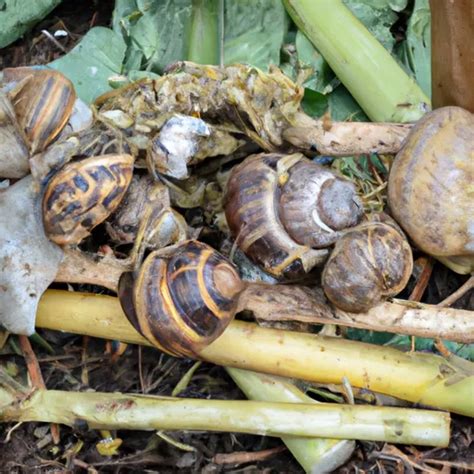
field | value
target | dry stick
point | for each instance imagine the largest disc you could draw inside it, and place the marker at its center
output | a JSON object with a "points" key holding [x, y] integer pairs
{"points": [[421, 378], [295, 303], [345, 138], [461, 291], [36, 376], [282, 302]]}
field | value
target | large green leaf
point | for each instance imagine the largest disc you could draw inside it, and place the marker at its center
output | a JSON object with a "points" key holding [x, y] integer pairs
{"points": [[254, 32], [378, 16], [156, 32], [415, 51], [91, 63], [18, 16]]}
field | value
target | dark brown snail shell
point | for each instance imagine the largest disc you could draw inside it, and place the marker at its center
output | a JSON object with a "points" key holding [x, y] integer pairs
{"points": [[369, 264], [43, 102], [83, 194], [183, 297], [281, 208]]}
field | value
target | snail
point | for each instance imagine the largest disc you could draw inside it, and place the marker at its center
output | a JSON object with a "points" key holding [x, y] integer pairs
{"points": [[285, 210], [370, 263], [182, 298], [430, 187], [83, 194], [164, 225], [43, 100]]}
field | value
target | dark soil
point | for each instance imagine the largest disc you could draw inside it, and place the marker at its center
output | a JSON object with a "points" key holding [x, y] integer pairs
{"points": [[80, 363]]}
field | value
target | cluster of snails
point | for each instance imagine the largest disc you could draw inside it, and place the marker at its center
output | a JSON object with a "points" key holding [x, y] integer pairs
{"points": [[284, 211]]}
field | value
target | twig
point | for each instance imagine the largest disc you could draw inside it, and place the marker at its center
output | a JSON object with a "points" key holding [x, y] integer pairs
{"points": [[36, 377], [461, 291], [244, 457]]}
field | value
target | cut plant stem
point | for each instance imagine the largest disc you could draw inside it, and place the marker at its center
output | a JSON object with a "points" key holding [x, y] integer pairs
{"points": [[295, 303], [421, 378], [115, 411], [314, 455], [204, 35], [375, 80], [345, 138]]}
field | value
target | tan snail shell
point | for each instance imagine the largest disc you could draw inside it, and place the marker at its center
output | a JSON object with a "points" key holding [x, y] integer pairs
{"points": [[83, 194], [282, 208], [369, 264], [431, 186], [183, 297], [43, 100]]}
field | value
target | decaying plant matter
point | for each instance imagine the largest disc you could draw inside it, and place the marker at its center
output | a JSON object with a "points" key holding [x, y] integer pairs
{"points": [[138, 163]]}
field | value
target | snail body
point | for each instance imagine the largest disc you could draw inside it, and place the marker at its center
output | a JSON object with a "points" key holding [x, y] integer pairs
{"points": [[370, 263], [183, 297], [274, 210], [430, 186], [83, 194]]}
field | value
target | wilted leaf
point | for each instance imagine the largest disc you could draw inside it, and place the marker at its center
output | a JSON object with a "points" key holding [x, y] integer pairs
{"points": [[29, 261], [415, 51], [156, 32], [16, 18], [254, 32], [98, 56]]}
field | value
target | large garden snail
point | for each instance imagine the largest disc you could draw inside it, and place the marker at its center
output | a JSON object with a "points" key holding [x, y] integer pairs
{"points": [[430, 186], [82, 194], [370, 263], [182, 298], [283, 210]]}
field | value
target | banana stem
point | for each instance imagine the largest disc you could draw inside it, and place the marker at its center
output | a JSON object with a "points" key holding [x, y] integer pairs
{"points": [[421, 378], [115, 411], [313, 454], [380, 86]]}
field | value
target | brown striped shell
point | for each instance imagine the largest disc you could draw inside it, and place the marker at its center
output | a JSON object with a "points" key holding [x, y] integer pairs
{"points": [[183, 297], [43, 100], [281, 208], [370, 263], [83, 194]]}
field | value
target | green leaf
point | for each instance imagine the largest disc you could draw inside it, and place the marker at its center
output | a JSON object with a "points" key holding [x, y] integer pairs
{"points": [[156, 32], [314, 103], [254, 32], [18, 16], [342, 106], [415, 51], [322, 78], [378, 16], [89, 65]]}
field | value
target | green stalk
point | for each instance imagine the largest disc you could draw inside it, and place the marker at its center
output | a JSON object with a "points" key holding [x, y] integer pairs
{"points": [[116, 411], [375, 80], [421, 378], [313, 454], [204, 35]]}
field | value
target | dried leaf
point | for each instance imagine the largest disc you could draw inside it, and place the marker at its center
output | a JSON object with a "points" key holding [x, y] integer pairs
{"points": [[28, 260]]}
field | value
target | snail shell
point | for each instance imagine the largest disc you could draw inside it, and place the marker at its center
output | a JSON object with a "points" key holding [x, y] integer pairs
{"points": [[43, 100], [82, 194], [183, 297], [430, 186], [370, 263], [276, 209]]}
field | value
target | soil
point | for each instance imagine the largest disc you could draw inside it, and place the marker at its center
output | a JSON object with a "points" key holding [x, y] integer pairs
{"points": [[80, 363]]}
